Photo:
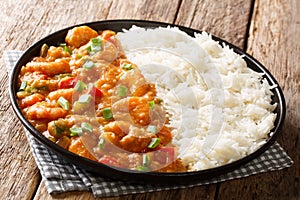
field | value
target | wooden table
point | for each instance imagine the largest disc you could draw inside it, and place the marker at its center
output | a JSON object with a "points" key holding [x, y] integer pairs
{"points": [[267, 29]]}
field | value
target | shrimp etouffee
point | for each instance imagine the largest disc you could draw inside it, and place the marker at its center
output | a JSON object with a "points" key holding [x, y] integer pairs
{"points": [[87, 97]]}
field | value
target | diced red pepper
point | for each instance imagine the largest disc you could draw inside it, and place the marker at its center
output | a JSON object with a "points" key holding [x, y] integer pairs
{"points": [[170, 151], [108, 160], [68, 82], [165, 155], [95, 92]]}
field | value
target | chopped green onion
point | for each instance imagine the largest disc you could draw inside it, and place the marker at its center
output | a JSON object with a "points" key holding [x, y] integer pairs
{"points": [[89, 49], [107, 114], [95, 48], [96, 44], [23, 86], [89, 64], [79, 86], [29, 89], [154, 143], [64, 103], [142, 168], [79, 107], [58, 129], [66, 48], [87, 127], [126, 66], [152, 104], [101, 143], [95, 40], [122, 91], [152, 129], [146, 160], [85, 98], [75, 131]]}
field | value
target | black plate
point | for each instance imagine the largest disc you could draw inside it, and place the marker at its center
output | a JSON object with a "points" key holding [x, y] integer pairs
{"points": [[128, 175]]}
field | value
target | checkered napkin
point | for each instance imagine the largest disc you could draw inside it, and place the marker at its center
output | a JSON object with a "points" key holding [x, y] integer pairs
{"points": [[61, 176]]}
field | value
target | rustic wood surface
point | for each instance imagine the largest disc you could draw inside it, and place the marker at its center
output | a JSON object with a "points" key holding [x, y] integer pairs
{"points": [[267, 29]]}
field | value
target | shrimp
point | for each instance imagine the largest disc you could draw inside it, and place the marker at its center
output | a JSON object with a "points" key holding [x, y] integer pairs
{"points": [[77, 146], [135, 110], [31, 76], [165, 136], [58, 66], [147, 90], [109, 52], [44, 110], [107, 34], [110, 36], [60, 127], [137, 84], [40, 125], [127, 136], [30, 100], [76, 61], [135, 143], [109, 78], [120, 128], [56, 52], [79, 36], [129, 142], [66, 93], [48, 85]]}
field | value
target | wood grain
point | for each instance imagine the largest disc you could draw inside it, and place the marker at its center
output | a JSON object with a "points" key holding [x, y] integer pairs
{"points": [[156, 10], [4, 95], [19, 174], [274, 40], [40, 18], [225, 19]]}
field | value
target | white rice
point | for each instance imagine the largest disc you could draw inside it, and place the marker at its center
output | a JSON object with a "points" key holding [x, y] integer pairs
{"points": [[219, 109]]}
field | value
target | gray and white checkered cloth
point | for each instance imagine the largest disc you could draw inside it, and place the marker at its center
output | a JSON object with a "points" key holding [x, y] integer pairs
{"points": [[62, 176]]}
